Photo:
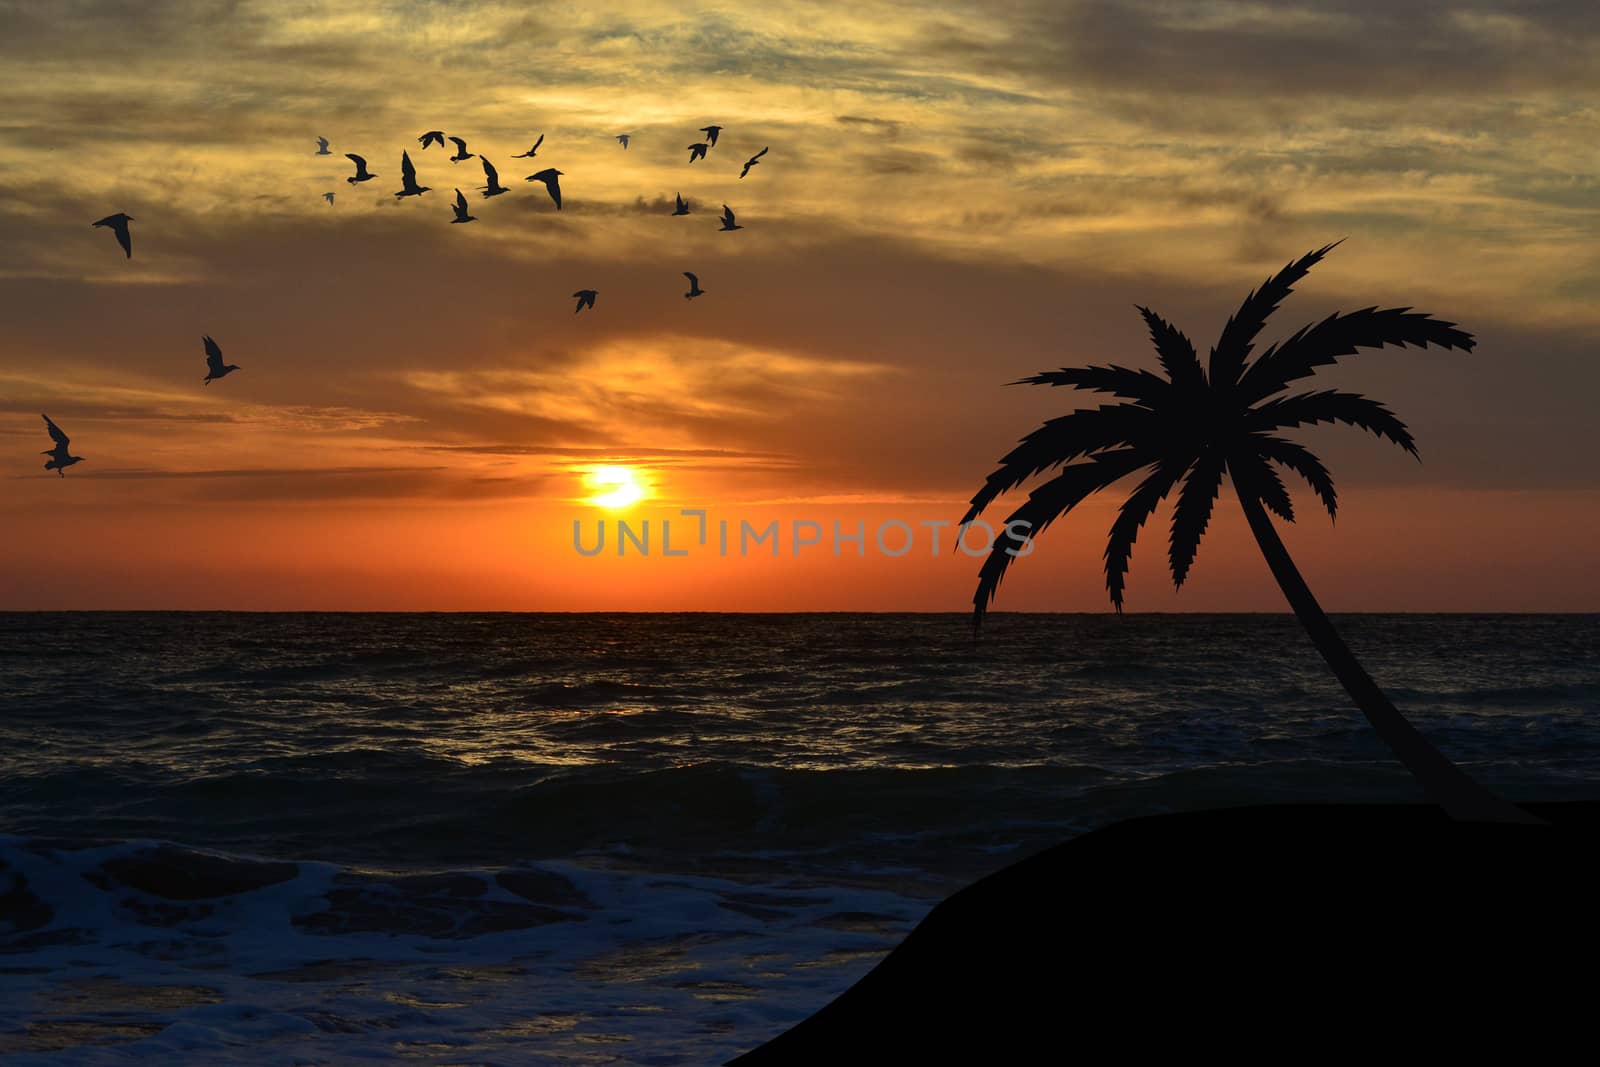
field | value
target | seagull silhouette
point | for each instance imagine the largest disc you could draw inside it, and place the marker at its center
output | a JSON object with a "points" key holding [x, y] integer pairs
{"points": [[59, 460], [408, 178], [119, 226], [215, 368], [585, 299], [461, 151], [752, 162], [322, 147], [694, 286], [532, 151], [727, 219], [682, 208], [549, 177], [623, 139], [431, 137], [328, 197], [711, 133], [494, 188], [460, 209], [697, 151], [362, 174]]}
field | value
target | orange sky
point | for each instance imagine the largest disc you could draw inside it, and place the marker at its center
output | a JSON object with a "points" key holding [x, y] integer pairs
{"points": [[950, 201]]}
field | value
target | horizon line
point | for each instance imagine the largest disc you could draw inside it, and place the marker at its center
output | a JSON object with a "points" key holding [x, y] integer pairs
{"points": [[967, 614]]}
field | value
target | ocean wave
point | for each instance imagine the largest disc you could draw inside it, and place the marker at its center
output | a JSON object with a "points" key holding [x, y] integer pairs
{"points": [[228, 958]]}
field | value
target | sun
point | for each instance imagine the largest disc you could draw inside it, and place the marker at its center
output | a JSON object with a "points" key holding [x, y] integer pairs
{"points": [[620, 487]]}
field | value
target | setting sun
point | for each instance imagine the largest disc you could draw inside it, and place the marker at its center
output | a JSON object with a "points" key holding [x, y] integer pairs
{"points": [[620, 484]]}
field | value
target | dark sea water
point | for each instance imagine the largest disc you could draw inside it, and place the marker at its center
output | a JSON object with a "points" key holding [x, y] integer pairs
{"points": [[637, 839]]}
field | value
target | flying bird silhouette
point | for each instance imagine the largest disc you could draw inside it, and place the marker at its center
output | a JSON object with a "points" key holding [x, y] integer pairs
{"points": [[585, 299], [362, 174], [549, 176], [328, 197], [697, 151], [460, 208], [494, 188], [215, 368], [711, 133], [431, 137], [461, 151], [322, 147], [119, 226], [694, 286], [727, 219], [752, 162], [622, 138], [408, 178], [59, 460], [532, 151], [682, 208]]}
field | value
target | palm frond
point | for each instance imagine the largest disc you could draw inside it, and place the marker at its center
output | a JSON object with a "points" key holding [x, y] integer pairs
{"points": [[1339, 335], [1254, 476], [1131, 517], [1238, 336], [1296, 457], [1138, 385], [1330, 406], [1193, 512], [1175, 351], [1061, 440], [1044, 505]]}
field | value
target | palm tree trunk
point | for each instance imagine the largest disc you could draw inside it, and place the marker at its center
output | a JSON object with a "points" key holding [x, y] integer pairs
{"points": [[1445, 784]]}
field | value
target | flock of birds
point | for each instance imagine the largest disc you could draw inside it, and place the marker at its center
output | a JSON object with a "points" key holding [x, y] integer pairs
{"points": [[60, 455]]}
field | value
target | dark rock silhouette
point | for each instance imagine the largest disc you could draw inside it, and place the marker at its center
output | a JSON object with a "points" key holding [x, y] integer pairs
{"points": [[118, 225], [1193, 428], [1237, 933], [215, 368], [59, 459], [175, 873]]}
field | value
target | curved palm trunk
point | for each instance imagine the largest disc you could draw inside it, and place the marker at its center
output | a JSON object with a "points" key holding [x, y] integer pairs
{"points": [[1446, 784]]}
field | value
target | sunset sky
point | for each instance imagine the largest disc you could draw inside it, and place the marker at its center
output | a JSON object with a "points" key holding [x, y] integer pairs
{"points": [[954, 197]]}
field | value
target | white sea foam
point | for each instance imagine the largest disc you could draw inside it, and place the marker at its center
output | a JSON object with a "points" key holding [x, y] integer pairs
{"points": [[661, 969]]}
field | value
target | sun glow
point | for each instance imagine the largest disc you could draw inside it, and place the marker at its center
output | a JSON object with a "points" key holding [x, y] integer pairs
{"points": [[620, 487]]}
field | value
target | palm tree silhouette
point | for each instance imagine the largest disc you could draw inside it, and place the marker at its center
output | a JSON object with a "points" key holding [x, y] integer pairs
{"points": [[1193, 428]]}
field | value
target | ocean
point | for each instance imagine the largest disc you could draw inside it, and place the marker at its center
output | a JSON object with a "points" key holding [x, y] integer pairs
{"points": [[636, 839]]}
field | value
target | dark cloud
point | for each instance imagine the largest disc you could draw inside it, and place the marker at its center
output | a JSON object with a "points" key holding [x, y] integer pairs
{"points": [[1349, 48], [619, 455], [898, 161], [69, 409], [885, 128], [319, 484], [253, 472]]}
